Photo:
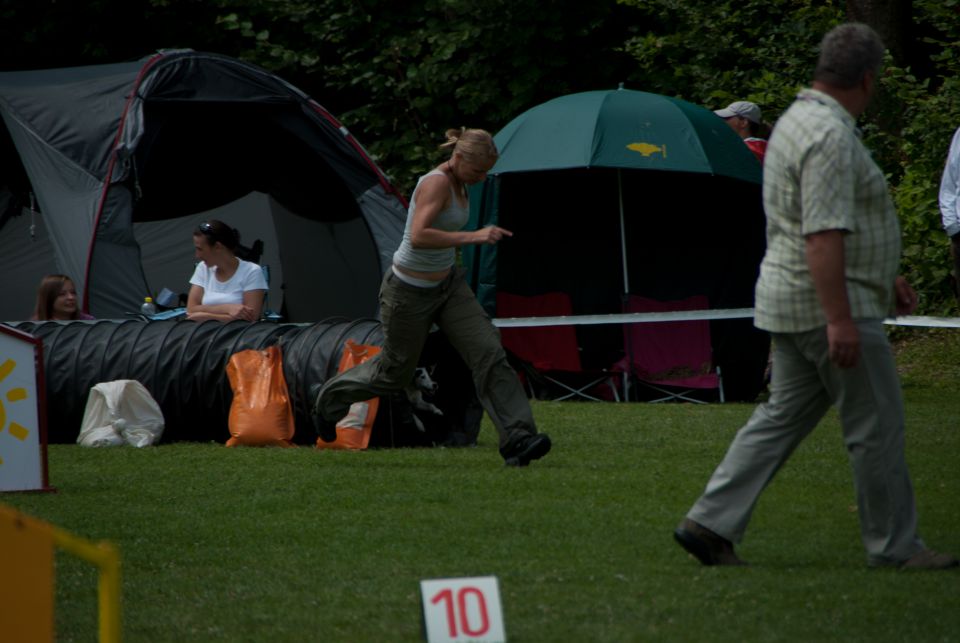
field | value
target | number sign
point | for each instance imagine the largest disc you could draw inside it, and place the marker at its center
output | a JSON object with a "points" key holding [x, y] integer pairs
{"points": [[462, 609]]}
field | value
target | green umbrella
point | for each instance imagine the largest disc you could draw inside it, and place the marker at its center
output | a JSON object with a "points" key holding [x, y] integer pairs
{"points": [[623, 129]]}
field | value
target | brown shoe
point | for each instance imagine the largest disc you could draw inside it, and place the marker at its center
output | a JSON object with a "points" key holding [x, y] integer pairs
{"points": [[929, 559], [706, 546]]}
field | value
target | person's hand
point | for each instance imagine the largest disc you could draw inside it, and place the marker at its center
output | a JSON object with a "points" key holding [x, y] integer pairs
{"points": [[905, 295], [491, 234], [239, 311], [843, 339]]}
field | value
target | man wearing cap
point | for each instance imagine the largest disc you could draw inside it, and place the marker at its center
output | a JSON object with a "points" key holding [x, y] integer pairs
{"points": [[744, 118], [827, 281]]}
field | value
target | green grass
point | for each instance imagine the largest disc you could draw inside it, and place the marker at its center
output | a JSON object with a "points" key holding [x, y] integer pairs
{"points": [[297, 545]]}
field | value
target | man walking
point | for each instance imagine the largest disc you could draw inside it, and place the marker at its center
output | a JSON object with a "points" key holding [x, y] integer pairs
{"points": [[827, 281]]}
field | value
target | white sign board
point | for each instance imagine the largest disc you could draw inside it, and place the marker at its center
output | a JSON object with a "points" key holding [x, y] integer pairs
{"points": [[462, 609], [22, 445]]}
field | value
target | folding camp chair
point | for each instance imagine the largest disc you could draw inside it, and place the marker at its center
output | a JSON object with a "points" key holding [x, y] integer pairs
{"points": [[673, 358], [268, 314], [548, 353]]}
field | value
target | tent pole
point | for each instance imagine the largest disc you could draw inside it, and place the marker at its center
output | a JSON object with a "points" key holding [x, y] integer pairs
{"points": [[626, 287]]}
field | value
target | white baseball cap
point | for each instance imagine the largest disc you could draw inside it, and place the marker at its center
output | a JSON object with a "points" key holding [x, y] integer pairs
{"points": [[744, 108]]}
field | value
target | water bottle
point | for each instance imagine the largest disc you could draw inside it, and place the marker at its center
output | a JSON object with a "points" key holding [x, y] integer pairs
{"points": [[147, 307]]}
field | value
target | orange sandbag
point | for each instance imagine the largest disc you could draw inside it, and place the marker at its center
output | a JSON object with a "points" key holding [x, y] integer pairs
{"points": [[260, 414], [353, 430]]}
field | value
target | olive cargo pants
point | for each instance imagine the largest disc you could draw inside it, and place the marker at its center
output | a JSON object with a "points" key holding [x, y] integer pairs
{"points": [[407, 313]]}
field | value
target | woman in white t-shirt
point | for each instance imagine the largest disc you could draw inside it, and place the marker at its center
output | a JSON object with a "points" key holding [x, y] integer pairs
{"points": [[223, 286]]}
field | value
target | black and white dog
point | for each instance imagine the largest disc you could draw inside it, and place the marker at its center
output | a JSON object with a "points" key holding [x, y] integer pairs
{"points": [[422, 383]]}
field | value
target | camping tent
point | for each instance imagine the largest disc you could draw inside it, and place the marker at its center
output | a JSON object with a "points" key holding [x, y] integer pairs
{"points": [[612, 193], [106, 170]]}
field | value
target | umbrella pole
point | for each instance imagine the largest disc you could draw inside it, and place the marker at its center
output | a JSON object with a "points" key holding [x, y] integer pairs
{"points": [[623, 235], [625, 296]]}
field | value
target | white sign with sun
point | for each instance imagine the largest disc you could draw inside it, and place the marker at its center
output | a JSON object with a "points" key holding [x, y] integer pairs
{"points": [[21, 457]]}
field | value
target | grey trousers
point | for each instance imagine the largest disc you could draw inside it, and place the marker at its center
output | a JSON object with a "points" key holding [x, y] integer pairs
{"points": [[804, 384], [407, 313]]}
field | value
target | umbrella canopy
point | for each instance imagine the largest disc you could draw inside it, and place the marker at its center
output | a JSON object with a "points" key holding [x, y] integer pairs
{"points": [[625, 129]]}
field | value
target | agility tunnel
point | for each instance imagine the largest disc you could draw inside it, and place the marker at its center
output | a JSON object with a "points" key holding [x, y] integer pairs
{"points": [[183, 365]]}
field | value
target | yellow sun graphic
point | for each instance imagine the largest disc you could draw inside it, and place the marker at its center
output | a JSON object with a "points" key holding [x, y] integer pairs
{"points": [[13, 395]]}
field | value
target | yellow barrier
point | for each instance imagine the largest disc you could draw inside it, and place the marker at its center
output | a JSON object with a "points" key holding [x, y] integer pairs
{"points": [[26, 584]]}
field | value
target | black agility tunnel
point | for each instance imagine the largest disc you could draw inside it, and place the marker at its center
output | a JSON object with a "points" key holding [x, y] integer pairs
{"points": [[183, 365]]}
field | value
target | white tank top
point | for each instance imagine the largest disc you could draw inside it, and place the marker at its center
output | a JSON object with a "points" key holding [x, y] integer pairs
{"points": [[450, 219]]}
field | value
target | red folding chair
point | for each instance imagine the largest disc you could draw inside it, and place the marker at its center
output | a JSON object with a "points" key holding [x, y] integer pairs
{"points": [[548, 353]]}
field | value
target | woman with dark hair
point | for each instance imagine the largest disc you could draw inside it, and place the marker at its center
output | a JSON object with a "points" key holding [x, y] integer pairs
{"points": [[57, 300], [223, 286]]}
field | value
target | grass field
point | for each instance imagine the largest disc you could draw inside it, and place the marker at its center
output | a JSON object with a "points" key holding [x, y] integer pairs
{"points": [[297, 545]]}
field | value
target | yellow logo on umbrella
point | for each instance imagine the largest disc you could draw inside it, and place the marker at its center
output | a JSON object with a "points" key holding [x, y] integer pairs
{"points": [[646, 149]]}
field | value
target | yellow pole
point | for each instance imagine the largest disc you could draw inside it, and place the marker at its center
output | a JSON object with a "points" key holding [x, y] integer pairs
{"points": [[105, 556]]}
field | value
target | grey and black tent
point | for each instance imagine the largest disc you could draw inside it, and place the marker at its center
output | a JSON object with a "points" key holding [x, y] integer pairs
{"points": [[105, 171]]}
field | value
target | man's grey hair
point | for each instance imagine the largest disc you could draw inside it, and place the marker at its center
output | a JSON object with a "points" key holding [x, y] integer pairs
{"points": [[847, 53]]}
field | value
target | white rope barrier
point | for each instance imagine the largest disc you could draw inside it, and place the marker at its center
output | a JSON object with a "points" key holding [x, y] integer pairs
{"points": [[687, 315], [926, 322]]}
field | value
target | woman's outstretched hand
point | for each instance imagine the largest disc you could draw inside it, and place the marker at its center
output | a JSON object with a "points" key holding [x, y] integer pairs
{"points": [[491, 235]]}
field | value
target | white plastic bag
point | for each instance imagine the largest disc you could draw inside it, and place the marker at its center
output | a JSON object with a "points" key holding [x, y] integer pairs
{"points": [[118, 412]]}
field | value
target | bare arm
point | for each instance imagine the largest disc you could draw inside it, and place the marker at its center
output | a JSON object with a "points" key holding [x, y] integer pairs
{"points": [[253, 301], [432, 196], [249, 310], [825, 259]]}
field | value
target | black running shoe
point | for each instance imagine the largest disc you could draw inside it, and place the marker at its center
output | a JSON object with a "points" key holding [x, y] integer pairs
{"points": [[326, 429], [527, 449]]}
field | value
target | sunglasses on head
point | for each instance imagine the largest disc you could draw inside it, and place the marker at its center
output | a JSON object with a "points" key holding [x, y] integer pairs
{"points": [[205, 228]]}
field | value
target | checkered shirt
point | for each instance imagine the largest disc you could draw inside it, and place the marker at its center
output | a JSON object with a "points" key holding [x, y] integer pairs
{"points": [[818, 176]]}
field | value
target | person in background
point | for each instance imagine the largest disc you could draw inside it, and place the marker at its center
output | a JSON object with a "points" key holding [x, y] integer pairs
{"points": [[223, 286], [827, 281], [57, 300], [950, 205], [745, 119], [423, 287]]}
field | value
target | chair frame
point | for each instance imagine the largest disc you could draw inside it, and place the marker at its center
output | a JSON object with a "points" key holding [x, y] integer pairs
{"points": [[673, 395], [572, 390]]}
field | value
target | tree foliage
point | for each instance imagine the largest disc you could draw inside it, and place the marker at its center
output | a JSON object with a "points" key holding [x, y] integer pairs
{"points": [[713, 53], [44, 34], [403, 73], [911, 128]]}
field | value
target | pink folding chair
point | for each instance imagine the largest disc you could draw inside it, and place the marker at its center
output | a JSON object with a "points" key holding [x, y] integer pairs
{"points": [[674, 358]]}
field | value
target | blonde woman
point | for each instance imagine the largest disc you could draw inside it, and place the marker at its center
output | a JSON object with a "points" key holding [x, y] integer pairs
{"points": [[425, 287]]}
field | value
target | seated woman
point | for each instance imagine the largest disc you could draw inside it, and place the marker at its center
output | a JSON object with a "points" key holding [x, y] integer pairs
{"points": [[223, 286], [57, 300]]}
